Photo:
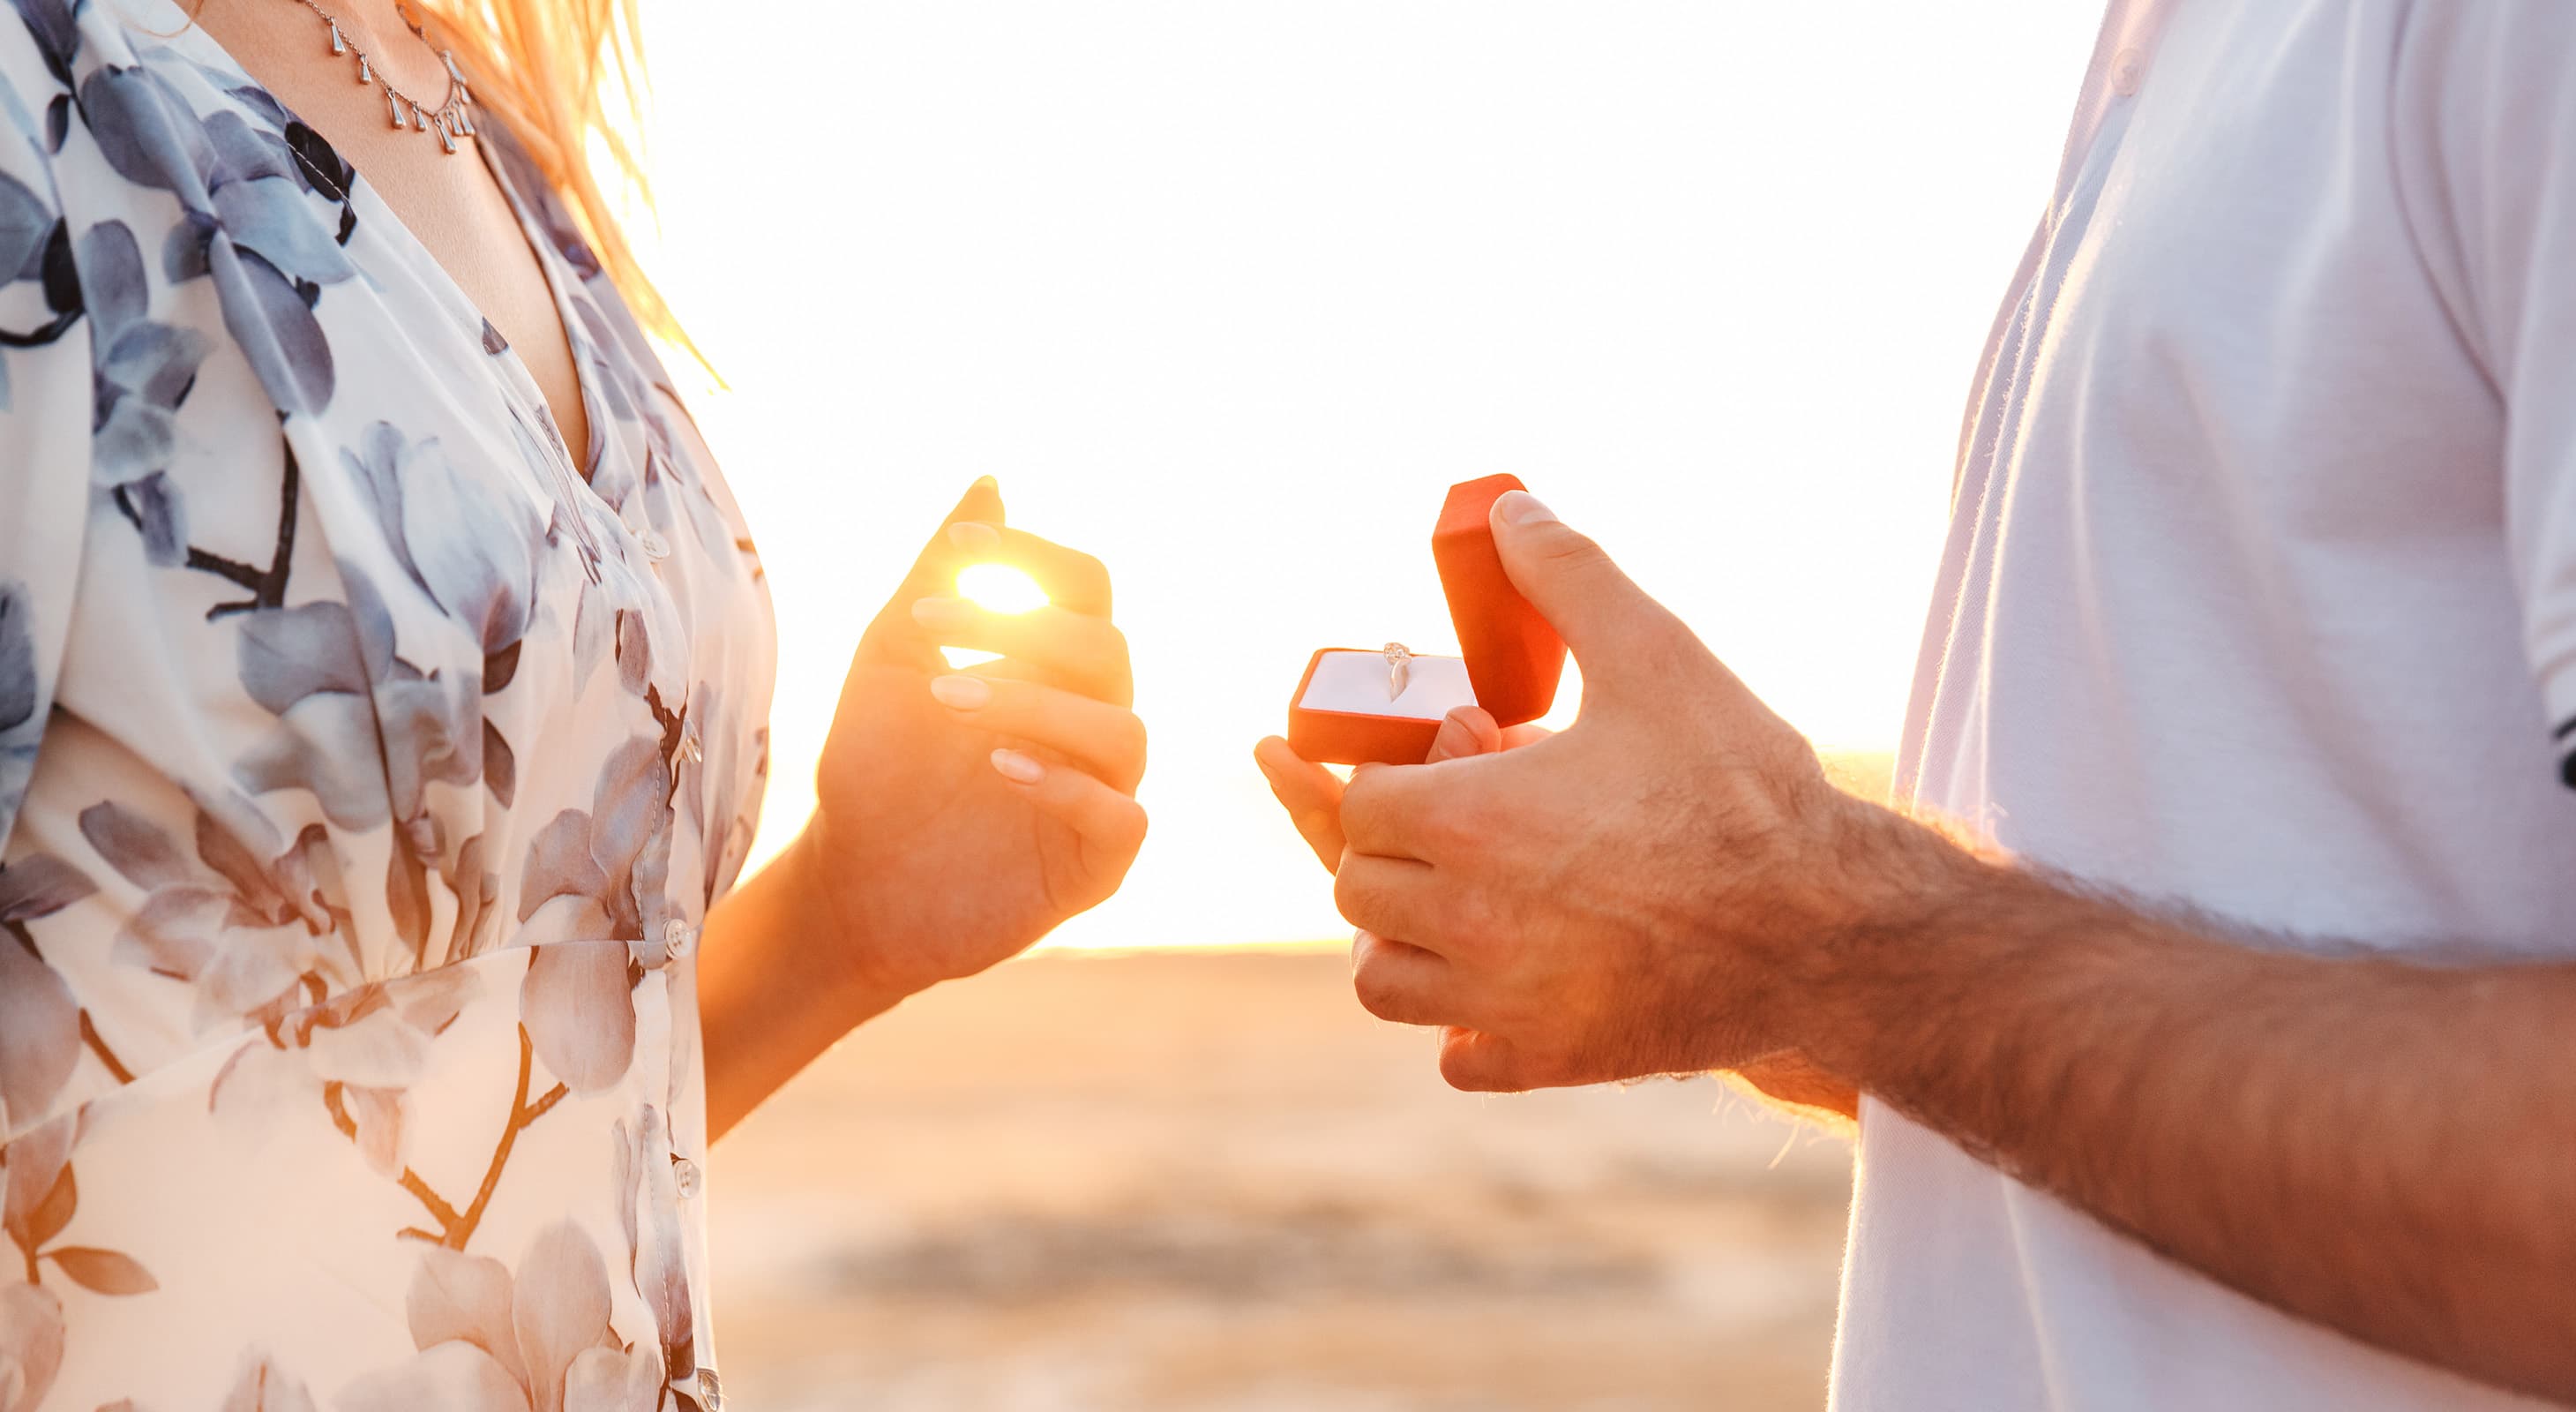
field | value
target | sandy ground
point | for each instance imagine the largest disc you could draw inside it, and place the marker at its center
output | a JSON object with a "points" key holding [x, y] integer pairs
{"points": [[1172, 1180]]}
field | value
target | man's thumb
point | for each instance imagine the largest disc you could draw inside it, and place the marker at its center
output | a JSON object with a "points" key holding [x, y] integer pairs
{"points": [[1588, 599]]}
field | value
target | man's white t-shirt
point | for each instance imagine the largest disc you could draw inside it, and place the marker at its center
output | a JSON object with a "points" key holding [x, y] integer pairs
{"points": [[2259, 594]]}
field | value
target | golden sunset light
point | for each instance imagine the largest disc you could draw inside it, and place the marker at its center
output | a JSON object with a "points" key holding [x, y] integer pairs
{"points": [[1229, 295], [1000, 588], [1241, 354], [1214, 706]]}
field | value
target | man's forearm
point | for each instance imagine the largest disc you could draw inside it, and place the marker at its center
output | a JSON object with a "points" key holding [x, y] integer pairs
{"points": [[2383, 1148], [1671, 885]]}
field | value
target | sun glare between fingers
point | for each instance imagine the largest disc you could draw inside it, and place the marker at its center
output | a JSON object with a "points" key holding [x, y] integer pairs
{"points": [[1000, 588], [995, 588]]}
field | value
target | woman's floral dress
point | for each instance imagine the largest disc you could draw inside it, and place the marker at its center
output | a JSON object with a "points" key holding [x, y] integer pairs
{"points": [[366, 769]]}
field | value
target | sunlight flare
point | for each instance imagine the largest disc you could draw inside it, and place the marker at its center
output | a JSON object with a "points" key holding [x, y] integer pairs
{"points": [[1000, 588]]}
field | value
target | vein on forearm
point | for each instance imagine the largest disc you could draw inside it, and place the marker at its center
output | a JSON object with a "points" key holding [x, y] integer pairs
{"points": [[2383, 1147]]}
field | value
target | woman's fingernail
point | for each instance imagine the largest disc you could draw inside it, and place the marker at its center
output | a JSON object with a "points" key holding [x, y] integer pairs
{"points": [[1017, 768], [962, 693], [938, 612], [987, 483], [974, 536], [1519, 507]]}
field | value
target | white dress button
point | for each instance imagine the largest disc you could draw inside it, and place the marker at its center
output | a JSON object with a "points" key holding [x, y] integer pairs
{"points": [[679, 938], [710, 1391], [656, 548], [2128, 70], [684, 1174], [690, 749]]}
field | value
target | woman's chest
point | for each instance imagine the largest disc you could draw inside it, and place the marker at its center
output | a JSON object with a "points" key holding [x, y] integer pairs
{"points": [[438, 188], [345, 574]]}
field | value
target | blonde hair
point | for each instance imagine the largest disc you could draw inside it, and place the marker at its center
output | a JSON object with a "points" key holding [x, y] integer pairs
{"points": [[568, 76]]}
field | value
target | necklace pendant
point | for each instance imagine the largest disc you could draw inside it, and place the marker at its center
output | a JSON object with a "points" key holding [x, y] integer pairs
{"points": [[449, 119]]}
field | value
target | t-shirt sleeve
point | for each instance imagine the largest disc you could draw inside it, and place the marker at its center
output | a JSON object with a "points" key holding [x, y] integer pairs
{"points": [[46, 398], [2485, 139]]}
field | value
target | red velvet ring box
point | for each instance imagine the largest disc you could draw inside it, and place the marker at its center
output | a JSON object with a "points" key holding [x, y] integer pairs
{"points": [[1343, 712]]}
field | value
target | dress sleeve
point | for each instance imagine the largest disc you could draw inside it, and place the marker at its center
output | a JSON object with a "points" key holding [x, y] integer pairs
{"points": [[46, 402], [2485, 140]]}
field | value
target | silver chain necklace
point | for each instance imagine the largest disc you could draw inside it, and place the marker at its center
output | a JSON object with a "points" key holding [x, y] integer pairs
{"points": [[451, 119]]}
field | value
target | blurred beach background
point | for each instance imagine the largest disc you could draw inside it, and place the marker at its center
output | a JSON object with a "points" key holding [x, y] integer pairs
{"points": [[1228, 292], [1203, 1180], [1164, 1180]]}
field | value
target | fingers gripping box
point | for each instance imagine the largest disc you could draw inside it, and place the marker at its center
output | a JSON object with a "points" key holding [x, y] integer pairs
{"points": [[1361, 706]]}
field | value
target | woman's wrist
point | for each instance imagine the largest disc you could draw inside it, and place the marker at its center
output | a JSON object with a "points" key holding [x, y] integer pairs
{"points": [[856, 941], [779, 981], [826, 942]]}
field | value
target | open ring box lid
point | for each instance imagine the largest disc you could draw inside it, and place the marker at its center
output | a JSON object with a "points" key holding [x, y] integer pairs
{"points": [[1511, 659]]}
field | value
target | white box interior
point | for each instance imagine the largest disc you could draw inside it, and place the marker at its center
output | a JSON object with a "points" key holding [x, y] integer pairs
{"points": [[1356, 682]]}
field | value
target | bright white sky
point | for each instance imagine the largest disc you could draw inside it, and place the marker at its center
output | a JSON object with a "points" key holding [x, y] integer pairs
{"points": [[1229, 293]]}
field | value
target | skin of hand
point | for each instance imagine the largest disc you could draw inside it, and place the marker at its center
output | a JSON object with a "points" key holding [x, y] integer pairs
{"points": [[2381, 1146], [960, 817], [1638, 894], [1312, 797]]}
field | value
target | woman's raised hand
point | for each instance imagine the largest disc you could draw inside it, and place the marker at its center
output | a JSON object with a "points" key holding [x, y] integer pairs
{"points": [[961, 815]]}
